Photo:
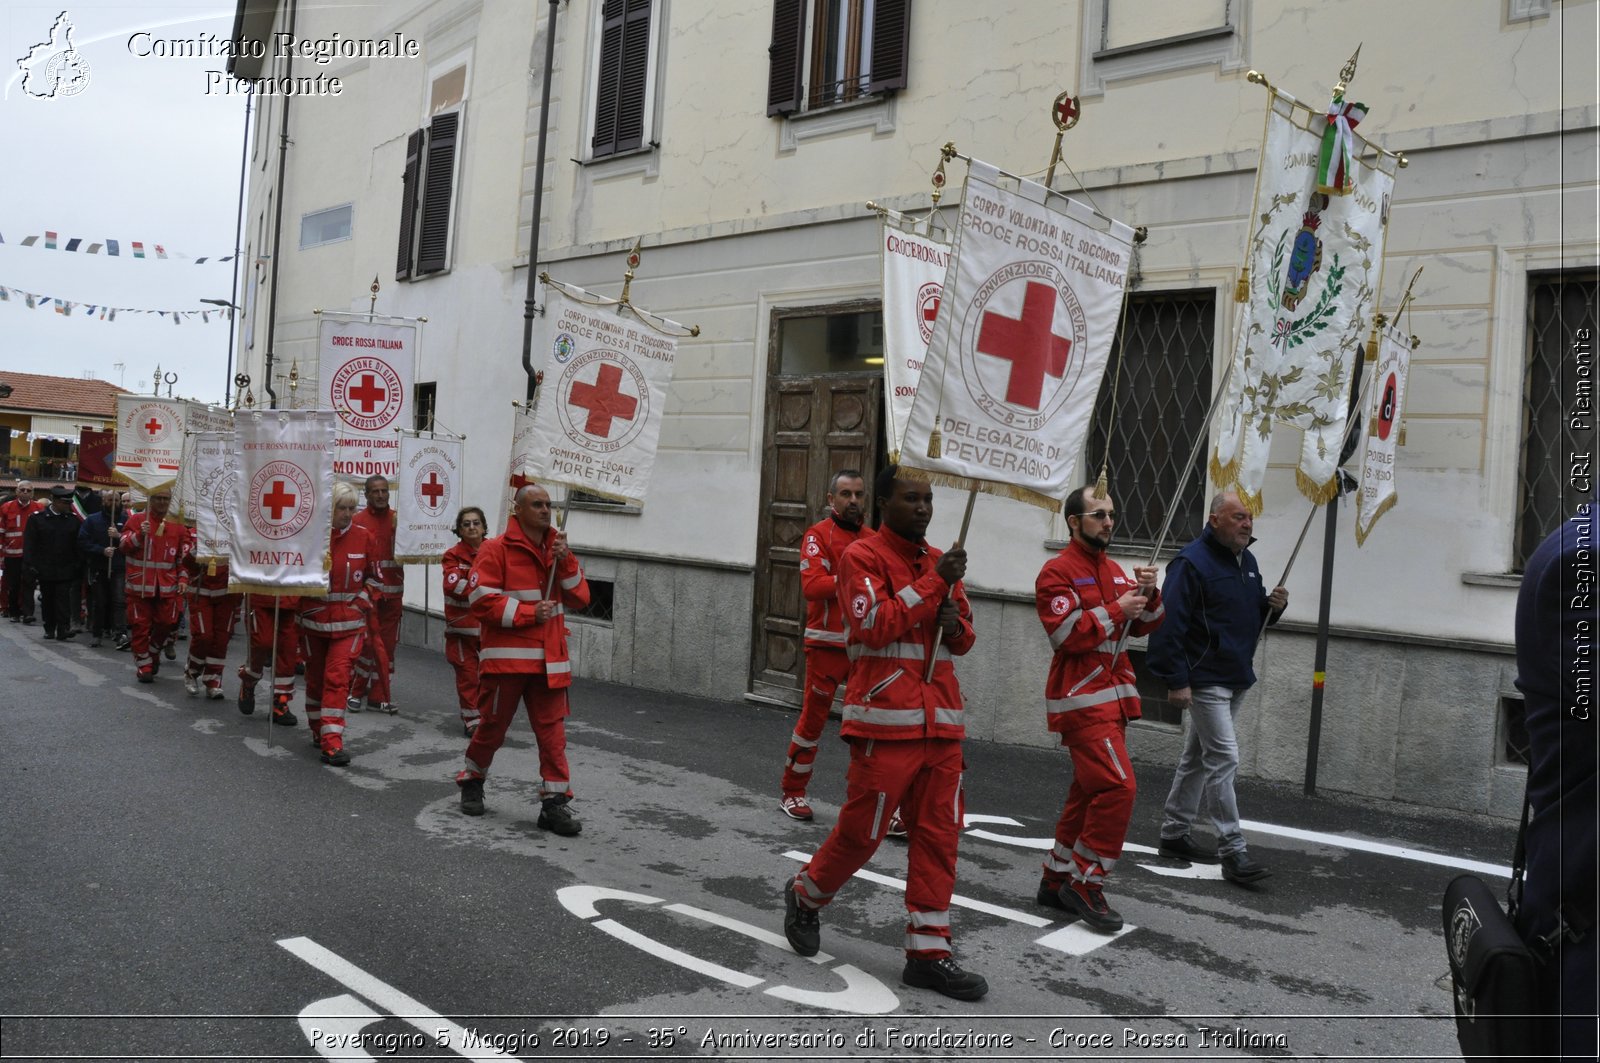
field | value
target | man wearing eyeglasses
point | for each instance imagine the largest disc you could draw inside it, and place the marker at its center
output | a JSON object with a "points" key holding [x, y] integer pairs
{"points": [[18, 584], [1087, 603]]}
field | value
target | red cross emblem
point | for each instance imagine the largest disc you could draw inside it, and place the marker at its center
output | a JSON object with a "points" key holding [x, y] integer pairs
{"points": [[152, 426], [1066, 111], [1029, 343], [278, 499], [432, 489], [604, 400], [367, 393]]}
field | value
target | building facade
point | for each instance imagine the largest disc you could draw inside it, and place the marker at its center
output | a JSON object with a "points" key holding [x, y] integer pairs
{"points": [[40, 421]]}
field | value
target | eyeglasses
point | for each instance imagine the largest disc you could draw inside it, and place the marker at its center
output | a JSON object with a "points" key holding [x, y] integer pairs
{"points": [[1102, 514]]}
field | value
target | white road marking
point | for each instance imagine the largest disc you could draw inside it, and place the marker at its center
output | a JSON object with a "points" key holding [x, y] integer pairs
{"points": [[140, 695], [1339, 841], [677, 956], [579, 900], [333, 1026], [1075, 939], [777, 941], [957, 900], [261, 748], [85, 676]]}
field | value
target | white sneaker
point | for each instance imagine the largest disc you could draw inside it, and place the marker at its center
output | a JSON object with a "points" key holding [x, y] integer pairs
{"points": [[191, 684], [214, 692], [352, 704]]}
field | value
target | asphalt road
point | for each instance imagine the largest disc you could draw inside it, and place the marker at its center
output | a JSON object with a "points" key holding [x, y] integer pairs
{"points": [[176, 882]]}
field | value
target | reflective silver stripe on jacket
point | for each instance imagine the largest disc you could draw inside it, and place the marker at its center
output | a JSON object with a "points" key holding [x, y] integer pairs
{"points": [[483, 591], [390, 588], [817, 634], [907, 651], [511, 653], [1161, 610], [1099, 613], [1064, 631], [909, 596], [571, 584], [508, 615], [461, 629], [334, 627], [1097, 697], [927, 942], [877, 717]]}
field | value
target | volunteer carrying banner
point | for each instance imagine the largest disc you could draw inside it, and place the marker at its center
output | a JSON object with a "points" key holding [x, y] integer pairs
{"points": [[149, 440], [430, 495], [366, 369], [278, 519], [914, 265]]}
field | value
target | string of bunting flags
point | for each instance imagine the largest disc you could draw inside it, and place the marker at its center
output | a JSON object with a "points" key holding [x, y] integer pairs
{"points": [[99, 311], [139, 249]]}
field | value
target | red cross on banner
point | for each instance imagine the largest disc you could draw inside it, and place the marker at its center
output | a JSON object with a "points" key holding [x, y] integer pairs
{"points": [[367, 393], [1029, 343], [278, 499], [432, 489], [152, 426], [604, 401]]}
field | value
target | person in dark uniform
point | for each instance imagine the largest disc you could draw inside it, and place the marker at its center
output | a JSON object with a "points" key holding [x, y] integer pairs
{"points": [[97, 541], [50, 553]]}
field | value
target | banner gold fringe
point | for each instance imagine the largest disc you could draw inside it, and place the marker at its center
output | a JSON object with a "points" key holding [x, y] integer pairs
{"points": [[988, 487], [1255, 503], [1319, 494], [1223, 475], [421, 559], [1383, 507], [276, 591]]}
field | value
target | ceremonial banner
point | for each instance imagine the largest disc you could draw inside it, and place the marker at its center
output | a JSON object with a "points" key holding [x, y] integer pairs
{"points": [[214, 458], [197, 418], [914, 266], [600, 407], [1314, 263], [97, 454], [1378, 488], [430, 495], [365, 372], [1021, 340], [279, 516], [521, 469], [149, 440]]}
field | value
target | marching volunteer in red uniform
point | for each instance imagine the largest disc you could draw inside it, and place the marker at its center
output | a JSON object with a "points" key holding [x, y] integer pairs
{"points": [[904, 732], [388, 583], [212, 614], [156, 549], [18, 589], [335, 627], [826, 661], [520, 584], [1086, 602], [460, 626], [290, 643]]}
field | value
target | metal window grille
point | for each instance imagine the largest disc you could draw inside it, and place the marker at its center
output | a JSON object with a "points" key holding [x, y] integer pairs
{"points": [[602, 594], [1145, 432], [1561, 328], [1513, 730]]}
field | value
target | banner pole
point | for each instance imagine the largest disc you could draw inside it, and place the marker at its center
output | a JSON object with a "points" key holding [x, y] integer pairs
{"points": [[426, 578], [277, 602], [938, 629]]}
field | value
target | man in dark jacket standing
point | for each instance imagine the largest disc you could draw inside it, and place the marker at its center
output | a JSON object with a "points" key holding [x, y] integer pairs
{"points": [[1216, 606], [50, 552], [97, 541]]}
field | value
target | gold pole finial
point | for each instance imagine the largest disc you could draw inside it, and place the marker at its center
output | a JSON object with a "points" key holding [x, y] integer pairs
{"points": [[372, 306], [1347, 73], [627, 277], [946, 153], [1064, 112], [1406, 298]]}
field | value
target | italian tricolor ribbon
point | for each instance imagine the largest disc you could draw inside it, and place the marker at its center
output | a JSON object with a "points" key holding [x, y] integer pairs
{"points": [[1333, 169]]}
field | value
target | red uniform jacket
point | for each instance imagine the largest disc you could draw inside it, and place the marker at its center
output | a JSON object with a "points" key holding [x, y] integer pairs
{"points": [[825, 542], [384, 575], [508, 581], [207, 579], [1076, 595], [457, 565], [155, 562], [344, 610], [13, 518], [891, 595]]}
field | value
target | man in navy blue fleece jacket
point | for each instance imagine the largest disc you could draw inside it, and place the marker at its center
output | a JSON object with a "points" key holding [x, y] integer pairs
{"points": [[1216, 606]]}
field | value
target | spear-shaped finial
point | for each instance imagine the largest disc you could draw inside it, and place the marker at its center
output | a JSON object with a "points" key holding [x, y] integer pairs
{"points": [[1347, 73], [633, 264]]}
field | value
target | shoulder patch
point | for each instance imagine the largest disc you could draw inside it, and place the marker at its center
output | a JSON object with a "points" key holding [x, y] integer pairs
{"points": [[1060, 604], [1083, 581], [812, 547], [859, 605]]}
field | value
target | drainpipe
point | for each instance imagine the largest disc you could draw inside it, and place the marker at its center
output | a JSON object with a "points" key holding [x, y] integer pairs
{"points": [[529, 309], [277, 223]]}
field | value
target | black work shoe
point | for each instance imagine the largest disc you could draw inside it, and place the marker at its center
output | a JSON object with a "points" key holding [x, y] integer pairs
{"points": [[282, 717], [247, 701], [1238, 867], [558, 819], [945, 976], [1050, 896], [66, 636], [472, 797], [1087, 901], [801, 925], [170, 652], [96, 642], [337, 759], [1184, 848]]}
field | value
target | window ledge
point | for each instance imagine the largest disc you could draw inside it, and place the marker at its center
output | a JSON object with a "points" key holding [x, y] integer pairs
{"points": [[645, 160], [1509, 580], [876, 113], [1164, 42]]}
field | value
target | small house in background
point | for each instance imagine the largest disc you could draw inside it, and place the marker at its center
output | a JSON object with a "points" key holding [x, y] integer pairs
{"points": [[40, 419]]}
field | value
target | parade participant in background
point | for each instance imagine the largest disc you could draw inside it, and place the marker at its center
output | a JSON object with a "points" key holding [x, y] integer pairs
{"points": [[155, 548], [107, 572], [905, 733], [1216, 607], [213, 612], [826, 662], [271, 621], [336, 626], [14, 516], [460, 626], [50, 556], [373, 671], [1086, 603], [520, 585]]}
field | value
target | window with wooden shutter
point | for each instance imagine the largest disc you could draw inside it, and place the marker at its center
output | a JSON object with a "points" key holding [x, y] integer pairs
{"points": [[830, 52], [439, 167], [623, 81], [410, 182], [891, 31], [784, 86]]}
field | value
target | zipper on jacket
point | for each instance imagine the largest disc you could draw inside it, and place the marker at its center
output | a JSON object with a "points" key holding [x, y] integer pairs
{"points": [[1111, 751], [898, 672], [1079, 685]]}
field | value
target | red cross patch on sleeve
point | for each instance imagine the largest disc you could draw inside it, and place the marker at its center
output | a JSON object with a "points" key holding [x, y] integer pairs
{"points": [[859, 605], [1060, 604]]}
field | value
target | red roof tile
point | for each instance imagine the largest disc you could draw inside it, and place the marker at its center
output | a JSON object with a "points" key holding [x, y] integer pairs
{"points": [[34, 392]]}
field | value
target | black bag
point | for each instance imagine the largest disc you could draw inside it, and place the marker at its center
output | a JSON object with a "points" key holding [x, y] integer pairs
{"points": [[1494, 975]]}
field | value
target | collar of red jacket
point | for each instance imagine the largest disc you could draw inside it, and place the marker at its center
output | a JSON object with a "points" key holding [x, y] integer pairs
{"points": [[517, 537], [846, 525], [901, 545]]}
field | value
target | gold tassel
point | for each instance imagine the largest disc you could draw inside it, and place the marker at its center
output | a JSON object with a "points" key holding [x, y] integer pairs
{"points": [[1102, 486], [1241, 291], [935, 443], [211, 567], [327, 560]]}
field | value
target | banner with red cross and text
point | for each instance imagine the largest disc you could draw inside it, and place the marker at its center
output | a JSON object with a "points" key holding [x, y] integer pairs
{"points": [[279, 515], [1020, 342], [197, 418], [1379, 459], [365, 376], [428, 496], [149, 440], [914, 265], [601, 405], [213, 465]]}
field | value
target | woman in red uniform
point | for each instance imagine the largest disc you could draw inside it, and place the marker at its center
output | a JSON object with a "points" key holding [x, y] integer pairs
{"points": [[460, 626], [335, 626]]}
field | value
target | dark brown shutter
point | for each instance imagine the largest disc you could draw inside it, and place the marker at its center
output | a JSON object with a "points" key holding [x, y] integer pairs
{"points": [[788, 36], [891, 37], [408, 202], [433, 245], [624, 67]]}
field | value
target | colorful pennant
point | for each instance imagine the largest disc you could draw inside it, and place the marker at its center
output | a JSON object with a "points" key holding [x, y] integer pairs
{"points": [[112, 248]]}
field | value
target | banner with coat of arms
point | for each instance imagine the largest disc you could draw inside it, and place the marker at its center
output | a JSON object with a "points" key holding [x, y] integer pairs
{"points": [[213, 465], [430, 494], [1021, 340], [365, 374], [1379, 491], [149, 440], [1314, 265], [97, 454], [604, 395], [279, 516], [914, 265]]}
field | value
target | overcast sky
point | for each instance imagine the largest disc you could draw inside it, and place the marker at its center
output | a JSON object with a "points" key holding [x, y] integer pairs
{"points": [[143, 153]]}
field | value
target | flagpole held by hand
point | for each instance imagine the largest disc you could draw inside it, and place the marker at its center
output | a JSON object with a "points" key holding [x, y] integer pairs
{"points": [[938, 630]]}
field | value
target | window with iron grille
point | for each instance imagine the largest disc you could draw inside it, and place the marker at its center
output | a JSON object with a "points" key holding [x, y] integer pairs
{"points": [[1561, 327], [845, 50], [1148, 416], [602, 594], [1513, 730], [426, 394]]}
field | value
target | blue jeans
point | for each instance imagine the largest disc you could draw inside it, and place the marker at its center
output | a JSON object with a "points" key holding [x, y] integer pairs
{"points": [[1207, 768]]}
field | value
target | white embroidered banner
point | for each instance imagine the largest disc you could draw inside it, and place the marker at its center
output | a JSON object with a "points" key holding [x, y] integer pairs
{"points": [[1021, 340], [429, 493], [197, 418], [914, 266], [214, 459], [1379, 491], [279, 518], [366, 369], [521, 469], [149, 440]]}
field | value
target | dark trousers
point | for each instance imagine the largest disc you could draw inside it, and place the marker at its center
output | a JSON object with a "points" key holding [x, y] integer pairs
{"points": [[19, 588], [55, 600], [108, 607]]}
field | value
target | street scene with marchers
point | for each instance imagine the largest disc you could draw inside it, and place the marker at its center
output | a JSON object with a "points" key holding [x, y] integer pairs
{"points": [[837, 528]]}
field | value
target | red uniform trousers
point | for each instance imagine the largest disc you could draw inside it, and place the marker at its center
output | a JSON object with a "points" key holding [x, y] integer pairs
{"points": [[922, 777], [498, 696], [211, 621], [462, 653], [329, 659], [289, 636], [826, 668], [372, 671], [1094, 821], [151, 622]]}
